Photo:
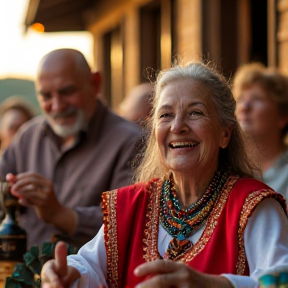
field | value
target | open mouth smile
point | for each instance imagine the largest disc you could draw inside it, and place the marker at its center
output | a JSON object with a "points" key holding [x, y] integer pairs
{"points": [[182, 144]]}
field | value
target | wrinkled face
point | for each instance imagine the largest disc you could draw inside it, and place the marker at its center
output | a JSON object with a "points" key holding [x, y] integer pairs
{"points": [[10, 122], [256, 112], [187, 128], [66, 97]]}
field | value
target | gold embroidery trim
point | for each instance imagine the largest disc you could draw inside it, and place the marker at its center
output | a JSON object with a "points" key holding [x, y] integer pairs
{"points": [[150, 241], [250, 203], [110, 236]]}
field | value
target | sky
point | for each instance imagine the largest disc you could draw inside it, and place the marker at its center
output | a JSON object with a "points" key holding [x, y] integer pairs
{"points": [[21, 52]]}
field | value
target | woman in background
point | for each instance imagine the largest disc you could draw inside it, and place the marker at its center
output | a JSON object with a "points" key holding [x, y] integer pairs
{"points": [[262, 112], [14, 112]]}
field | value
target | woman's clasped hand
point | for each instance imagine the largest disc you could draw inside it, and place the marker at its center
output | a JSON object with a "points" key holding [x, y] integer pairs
{"points": [[167, 273]]}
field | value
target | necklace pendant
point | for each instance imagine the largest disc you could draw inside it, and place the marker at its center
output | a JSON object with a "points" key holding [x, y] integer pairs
{"points": [[181, 237], [177, 248]]}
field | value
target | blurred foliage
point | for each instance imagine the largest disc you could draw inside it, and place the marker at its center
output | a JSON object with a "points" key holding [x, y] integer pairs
{"points": [[19, 87], [27, 275]]}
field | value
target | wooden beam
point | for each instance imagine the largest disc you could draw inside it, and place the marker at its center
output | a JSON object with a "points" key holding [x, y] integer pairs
{"points": [[244, 31], [272, 40], [107, 16], [165, 41]]}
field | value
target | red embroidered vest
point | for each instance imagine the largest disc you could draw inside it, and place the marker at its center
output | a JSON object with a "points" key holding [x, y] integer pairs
{"points": [[131, 226]]}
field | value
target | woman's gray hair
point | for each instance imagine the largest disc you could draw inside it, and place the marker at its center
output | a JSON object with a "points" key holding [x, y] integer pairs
{"points": [[233, 157]]}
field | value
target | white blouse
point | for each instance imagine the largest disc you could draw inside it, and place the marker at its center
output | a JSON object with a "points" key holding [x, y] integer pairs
{"points": [[265, 240]]}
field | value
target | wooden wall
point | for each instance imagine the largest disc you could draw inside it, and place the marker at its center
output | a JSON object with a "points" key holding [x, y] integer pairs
{"points": [[282, 36], [141, 34], [133, 35]]}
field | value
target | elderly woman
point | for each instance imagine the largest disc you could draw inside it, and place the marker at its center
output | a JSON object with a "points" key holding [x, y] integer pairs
{"points": [[195, 217], [262, 112]]}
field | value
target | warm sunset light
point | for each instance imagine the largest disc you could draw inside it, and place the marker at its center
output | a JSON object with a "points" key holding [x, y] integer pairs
{"points": [[21, 52], [38, 27]]}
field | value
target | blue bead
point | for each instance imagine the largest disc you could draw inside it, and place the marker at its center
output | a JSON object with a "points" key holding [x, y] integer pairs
{"points": [[181, 237]]}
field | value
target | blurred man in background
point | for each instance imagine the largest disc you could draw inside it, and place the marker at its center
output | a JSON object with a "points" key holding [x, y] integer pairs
{"points": [[136, 107], [60, 162]]}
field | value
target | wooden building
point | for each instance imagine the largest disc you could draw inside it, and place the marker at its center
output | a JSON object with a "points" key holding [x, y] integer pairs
{"points": [[133, 39]]}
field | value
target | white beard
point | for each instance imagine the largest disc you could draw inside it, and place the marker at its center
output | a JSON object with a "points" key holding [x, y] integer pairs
{"points": [[65, 131]]}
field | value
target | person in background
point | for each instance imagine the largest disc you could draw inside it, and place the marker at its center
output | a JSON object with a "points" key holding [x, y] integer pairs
{"points": [[60, 162], [136, 107], [14, 112], [196, 217], [262, 111]]}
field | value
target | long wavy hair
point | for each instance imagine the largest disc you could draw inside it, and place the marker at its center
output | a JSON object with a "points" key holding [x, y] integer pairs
{"points": [[232, 158]]}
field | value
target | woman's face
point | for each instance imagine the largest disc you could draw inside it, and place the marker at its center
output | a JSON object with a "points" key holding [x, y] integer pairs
{"points": [[257, 113], [11, 121], [187, 128]]}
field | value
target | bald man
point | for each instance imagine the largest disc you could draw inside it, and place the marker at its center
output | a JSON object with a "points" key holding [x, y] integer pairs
{"points": [[60, 162]]}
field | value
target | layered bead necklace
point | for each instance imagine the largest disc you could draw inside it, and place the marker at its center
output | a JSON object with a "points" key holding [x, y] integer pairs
{"points": [[181, 223]]}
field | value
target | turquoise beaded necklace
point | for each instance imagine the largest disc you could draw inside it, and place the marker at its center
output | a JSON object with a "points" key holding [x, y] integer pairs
{"points": [[181, 223]]}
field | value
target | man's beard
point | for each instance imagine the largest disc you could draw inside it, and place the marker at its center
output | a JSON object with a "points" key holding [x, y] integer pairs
{"points": [[65, 131]]}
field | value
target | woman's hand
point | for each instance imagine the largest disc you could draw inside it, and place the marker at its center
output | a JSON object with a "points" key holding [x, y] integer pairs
{"points": [[55, 273], [166, 274]]}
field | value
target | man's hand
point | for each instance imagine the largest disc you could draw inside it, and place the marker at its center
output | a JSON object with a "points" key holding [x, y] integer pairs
{"points": [[55, 273], [37, 191]]}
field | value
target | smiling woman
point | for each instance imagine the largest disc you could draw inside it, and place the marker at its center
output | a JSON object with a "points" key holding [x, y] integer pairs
{"points": [[188, 130], [195, 217]]}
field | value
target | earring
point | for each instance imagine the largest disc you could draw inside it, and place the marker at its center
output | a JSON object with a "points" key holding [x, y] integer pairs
{"points": [[223, 146]]}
